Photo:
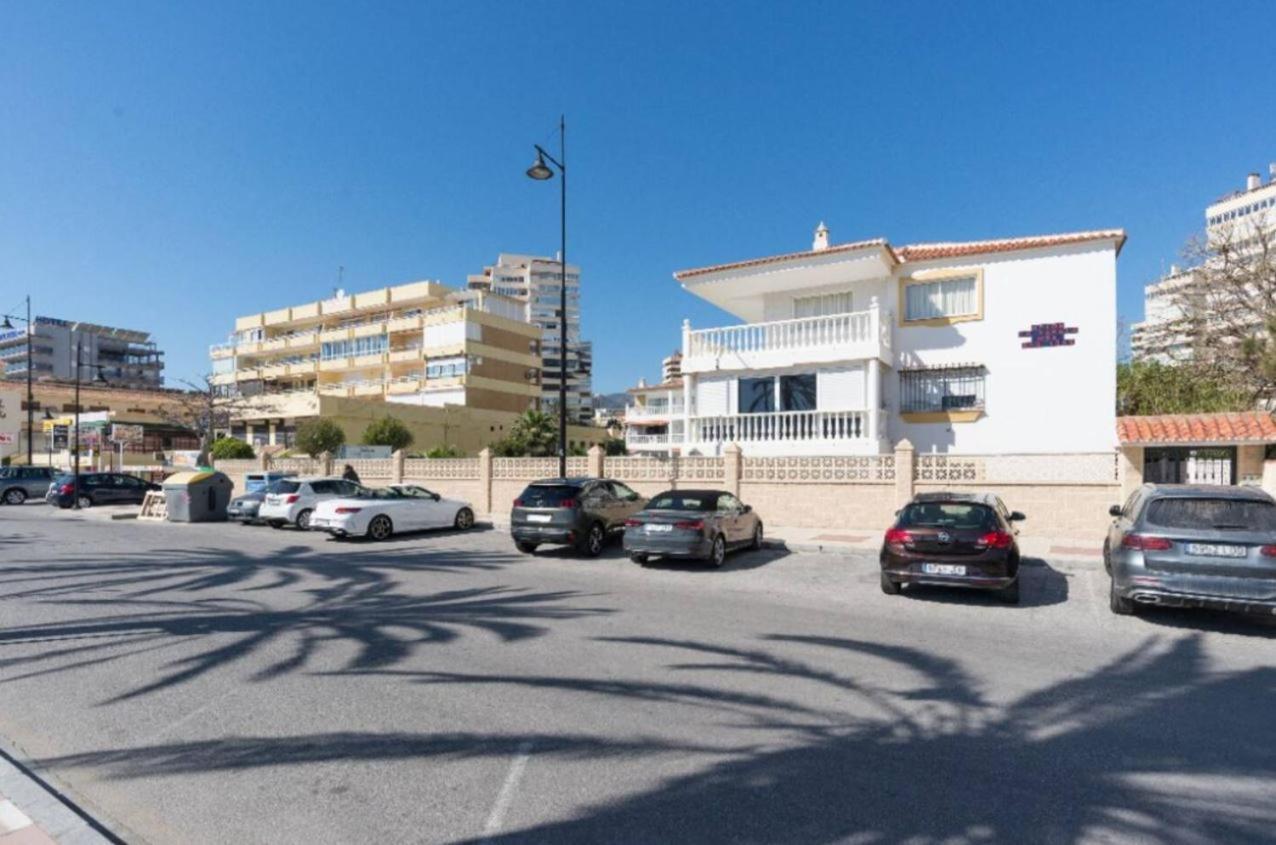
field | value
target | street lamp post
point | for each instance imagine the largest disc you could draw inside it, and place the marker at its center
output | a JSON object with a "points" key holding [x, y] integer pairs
{"points": [[99, 378], [8, 324], [541, 171]]}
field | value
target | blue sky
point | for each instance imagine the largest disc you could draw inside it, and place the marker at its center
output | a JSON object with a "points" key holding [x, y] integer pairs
{"points": [[168, 166]]}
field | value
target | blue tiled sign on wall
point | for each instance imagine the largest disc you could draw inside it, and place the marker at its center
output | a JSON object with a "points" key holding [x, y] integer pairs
{"points": [[1049, 334]]}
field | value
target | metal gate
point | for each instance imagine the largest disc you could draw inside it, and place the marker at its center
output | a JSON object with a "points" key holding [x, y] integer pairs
{"points": [[1187, 465]]}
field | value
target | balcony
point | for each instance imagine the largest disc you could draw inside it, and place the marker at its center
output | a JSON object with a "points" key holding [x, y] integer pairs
{"points": [[859, 335], [787, 433], [661, 411], [655, 442]]}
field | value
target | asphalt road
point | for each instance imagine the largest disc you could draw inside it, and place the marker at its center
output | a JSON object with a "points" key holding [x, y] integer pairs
{"points": [[219, 683]]}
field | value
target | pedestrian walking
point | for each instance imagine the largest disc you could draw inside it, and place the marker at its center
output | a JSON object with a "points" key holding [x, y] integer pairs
{"points": [[350, 475]]}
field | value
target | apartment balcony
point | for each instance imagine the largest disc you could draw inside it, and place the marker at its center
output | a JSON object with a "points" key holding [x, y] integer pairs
{"points": [[274, 370], [303, 340], [404, 324], [274, 344], [404, 385], [654, 412], [400, 355], [784, 433], [652, 442], [221, 350], [856, 336]]}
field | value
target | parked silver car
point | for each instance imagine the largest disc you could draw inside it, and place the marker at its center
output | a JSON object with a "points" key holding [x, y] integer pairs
{"points": [[17, 484], [1193, 546], [701, 524]]}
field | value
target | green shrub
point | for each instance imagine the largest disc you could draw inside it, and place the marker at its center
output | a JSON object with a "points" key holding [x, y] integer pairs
{"points": [[231, 449], [445, 452], [615, 448], [387, 431], [319, 435]]}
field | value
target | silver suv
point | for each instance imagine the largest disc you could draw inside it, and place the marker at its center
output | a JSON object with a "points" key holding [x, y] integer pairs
{"points": [[17, 484], [1193, 546]]}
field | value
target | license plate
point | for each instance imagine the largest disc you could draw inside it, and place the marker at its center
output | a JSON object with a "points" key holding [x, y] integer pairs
{"points": [[655, 529], [1216, 550], [538, 517], [943, 569]]}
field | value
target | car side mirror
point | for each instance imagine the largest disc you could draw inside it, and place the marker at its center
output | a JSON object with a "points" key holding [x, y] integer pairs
{"points": [[1017, 516], [747, 509], [1115, 510], [435, 496]]}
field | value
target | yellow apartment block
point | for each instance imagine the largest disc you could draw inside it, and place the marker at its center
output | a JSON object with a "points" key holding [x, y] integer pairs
{"points": [[457, 366]]}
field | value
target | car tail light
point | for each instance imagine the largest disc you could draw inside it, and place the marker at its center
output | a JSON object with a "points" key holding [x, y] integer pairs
{"points": [[518, 503], [690, 524], [1268, 551], [997, 540], [568, 503], [1140, 542], [632, 523], [348, 510], [898, 537], [66, 489], [291, 499]]}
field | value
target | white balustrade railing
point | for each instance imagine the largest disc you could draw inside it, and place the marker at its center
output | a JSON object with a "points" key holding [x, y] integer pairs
{"points": [[781, 426], [803, 333], [652, 439], [633, 412]]}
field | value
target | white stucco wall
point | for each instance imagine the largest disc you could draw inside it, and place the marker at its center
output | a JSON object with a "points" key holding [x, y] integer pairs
{"points": [[1056, 399]]}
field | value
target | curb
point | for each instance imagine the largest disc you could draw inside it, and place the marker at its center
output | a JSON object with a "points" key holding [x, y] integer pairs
{"points": [[46, 808]]}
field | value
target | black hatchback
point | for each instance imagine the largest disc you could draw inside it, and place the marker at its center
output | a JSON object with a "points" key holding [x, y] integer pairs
{"points": [[578, 512], [99, 488]]}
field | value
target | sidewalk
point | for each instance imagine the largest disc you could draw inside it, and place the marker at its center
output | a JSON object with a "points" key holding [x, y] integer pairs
{"points": [[33, 813]]}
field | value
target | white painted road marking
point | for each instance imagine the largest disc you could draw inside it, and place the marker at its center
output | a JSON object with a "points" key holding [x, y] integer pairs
{"points": [[506, 796], [11, 818]]}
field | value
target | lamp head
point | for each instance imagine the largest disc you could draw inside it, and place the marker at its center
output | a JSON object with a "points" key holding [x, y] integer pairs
{"points": [[8, 325], [540, 170]]}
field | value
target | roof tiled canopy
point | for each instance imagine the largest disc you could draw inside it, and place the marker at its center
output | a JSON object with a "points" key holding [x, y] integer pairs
{"points": [[1242, 427], [923, 251]]}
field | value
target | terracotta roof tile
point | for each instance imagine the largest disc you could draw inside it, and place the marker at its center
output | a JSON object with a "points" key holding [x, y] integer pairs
{"points": [[927, 252], [923, 251], [1241, 427]]}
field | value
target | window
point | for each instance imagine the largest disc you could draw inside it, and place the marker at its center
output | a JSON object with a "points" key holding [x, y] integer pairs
{"points": [[822, 305], [959, 516], [445, 367], [797, 393], [946, 389], [728, 503], [1213, 514], [624, 493], [942, 299], [757, 395]]}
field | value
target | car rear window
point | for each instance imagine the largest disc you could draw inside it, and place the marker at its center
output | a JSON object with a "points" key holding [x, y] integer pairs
{"points": [[683, 502], [1213, 514], [285, 487], [548, 495], [955, 515]]}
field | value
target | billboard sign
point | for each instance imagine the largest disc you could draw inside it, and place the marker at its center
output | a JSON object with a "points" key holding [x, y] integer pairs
{"points": [[10, 420], [363, 453], [125, 433]]}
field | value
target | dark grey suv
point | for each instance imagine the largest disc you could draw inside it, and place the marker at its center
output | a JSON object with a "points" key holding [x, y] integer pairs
{"points": [[579, 512], [1193, 546], [17, 484]]}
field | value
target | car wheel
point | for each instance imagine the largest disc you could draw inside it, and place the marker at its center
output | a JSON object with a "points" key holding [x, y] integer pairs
{"points": [[380, 528], [1107, 556], [718, 554], [1010, 595], [16, 496], [86, 502], [525, 547], [757, 538], [1117, 603], [889, 587], [464, 520], [594, 540], [303, 520], [638, 557]]}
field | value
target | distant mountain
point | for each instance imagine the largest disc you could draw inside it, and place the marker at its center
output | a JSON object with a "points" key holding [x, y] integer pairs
{"points": [[611, 401]]}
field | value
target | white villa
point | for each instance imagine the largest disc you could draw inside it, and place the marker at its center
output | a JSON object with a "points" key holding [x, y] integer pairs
{"points": [[985, 347]]}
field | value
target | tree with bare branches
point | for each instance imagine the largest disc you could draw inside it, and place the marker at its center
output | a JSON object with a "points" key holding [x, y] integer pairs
{"points": [[1221, 312], [202, 409]]}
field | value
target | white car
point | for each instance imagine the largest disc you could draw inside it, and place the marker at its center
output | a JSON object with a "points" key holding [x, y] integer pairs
{"points": [[378, 513], [292, 501]]}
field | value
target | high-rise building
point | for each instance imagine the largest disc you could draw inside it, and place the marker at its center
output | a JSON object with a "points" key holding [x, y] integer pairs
{"points": [[124, 357], [535, 282], [1235, 219], [421, 344]]}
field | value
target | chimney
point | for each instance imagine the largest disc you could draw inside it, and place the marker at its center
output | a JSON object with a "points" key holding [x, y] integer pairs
{"points": [[821, 238], [1253, 182]]}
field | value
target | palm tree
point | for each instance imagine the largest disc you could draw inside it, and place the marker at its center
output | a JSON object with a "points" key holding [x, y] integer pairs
{"points": [[538, 434]]}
